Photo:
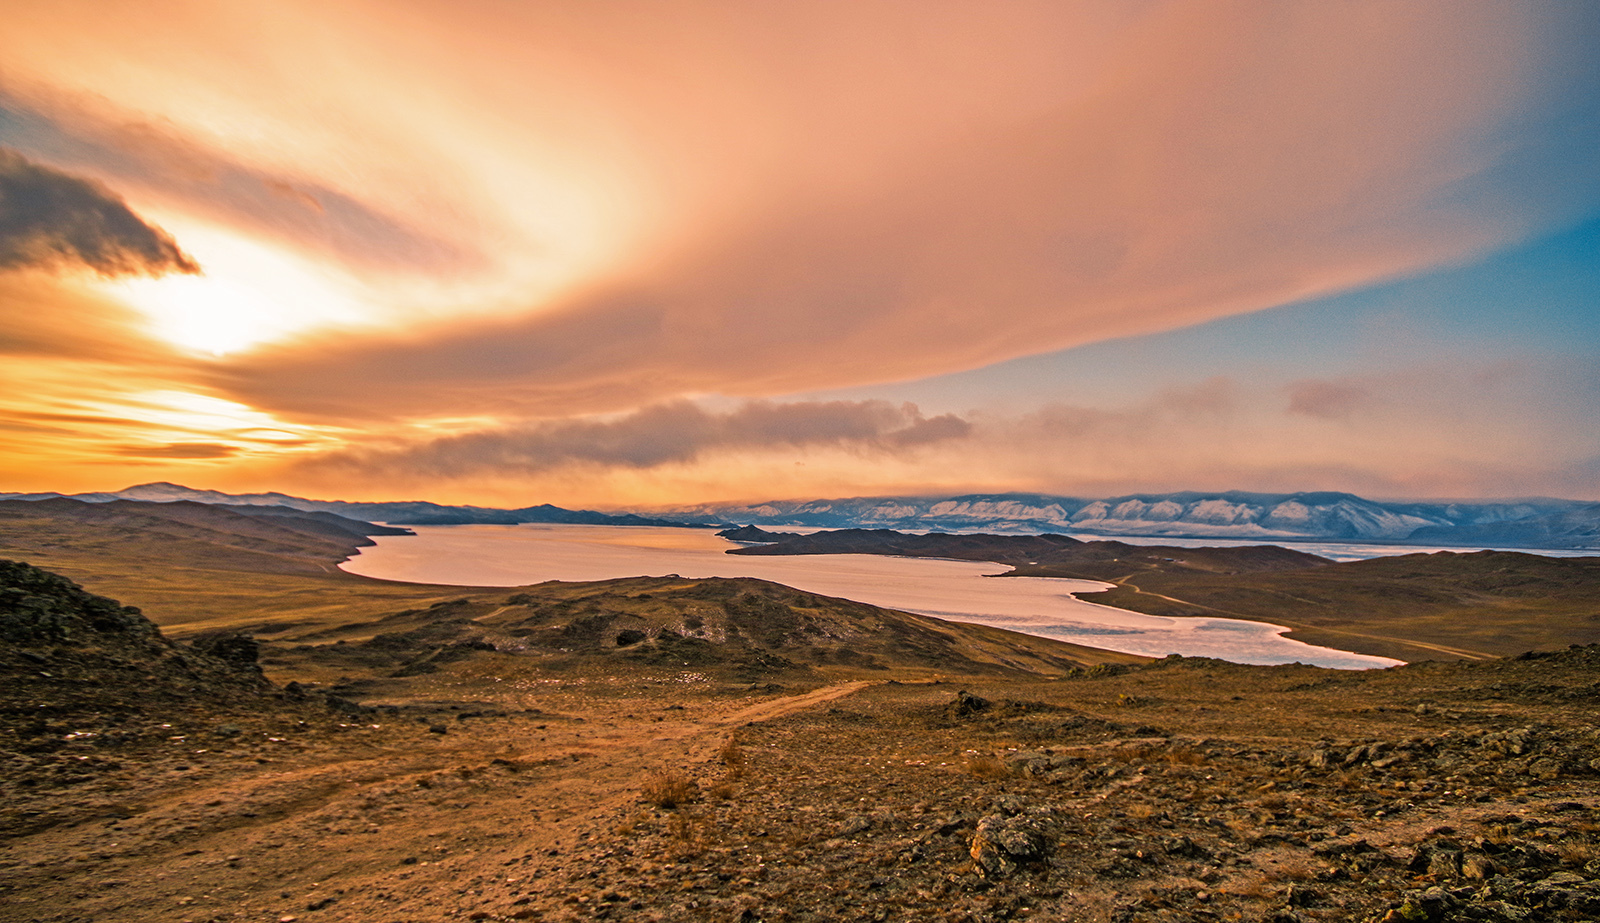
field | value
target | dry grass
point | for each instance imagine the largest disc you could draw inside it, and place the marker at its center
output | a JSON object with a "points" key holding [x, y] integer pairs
{"points": [[1289, 871], [733, 758], [1184, 756], [723, 791], [1272, 802], [668, 789], [689, 831], [629, 825], [986, 766]]}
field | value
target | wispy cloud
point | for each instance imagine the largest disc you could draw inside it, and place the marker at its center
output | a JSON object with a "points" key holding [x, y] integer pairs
{"points": [[560, 225], [665, 434], [179, 450], [1330, 400], [187, 173]]}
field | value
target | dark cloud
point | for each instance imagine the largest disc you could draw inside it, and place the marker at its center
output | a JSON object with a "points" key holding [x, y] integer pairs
{"points": [[139, 154], [1327, 400], [663, 434], [52, 219]]}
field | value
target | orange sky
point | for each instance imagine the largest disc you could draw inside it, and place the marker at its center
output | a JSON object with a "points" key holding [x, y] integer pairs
{"points": [[631, 254]]}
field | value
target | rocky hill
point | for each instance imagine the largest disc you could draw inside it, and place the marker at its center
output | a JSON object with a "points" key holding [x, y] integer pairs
{"points": [[538, 784], [670, 749], [741, 630]]}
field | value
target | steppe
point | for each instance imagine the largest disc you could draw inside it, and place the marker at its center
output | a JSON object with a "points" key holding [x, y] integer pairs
{"points": [[298, 744]]}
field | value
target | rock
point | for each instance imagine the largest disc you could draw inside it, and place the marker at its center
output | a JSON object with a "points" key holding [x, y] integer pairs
{"points": [[1002, 843], [1444, 864], [1431, 906], [1478, 868], [1545, 769], [238, 651], [966, 705], [38, 607]]}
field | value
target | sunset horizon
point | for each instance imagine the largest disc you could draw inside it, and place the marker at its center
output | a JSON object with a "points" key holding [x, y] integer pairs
{"points": [[651, 257]]}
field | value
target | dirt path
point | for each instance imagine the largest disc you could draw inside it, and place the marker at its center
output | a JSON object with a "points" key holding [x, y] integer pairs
{"points": [[412, 825]]}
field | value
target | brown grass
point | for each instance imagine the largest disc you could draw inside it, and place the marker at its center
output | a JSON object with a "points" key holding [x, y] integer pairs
{"points": [[668, 789], [1185, 756], [733, 758], [987, 766]]}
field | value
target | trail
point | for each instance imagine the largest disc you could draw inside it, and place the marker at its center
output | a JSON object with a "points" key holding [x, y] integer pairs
{"points": [[374, 828]]}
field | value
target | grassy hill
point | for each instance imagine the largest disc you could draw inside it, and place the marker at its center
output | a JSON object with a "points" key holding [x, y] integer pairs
{"points": [[198, 568], [1410, 607], [1413, 607]]}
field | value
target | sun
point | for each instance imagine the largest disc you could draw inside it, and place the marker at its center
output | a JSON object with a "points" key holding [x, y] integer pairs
{"points": [[246, 295]]}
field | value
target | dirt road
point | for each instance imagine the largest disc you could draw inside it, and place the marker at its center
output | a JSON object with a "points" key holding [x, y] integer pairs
{"points": [[373, 822]]}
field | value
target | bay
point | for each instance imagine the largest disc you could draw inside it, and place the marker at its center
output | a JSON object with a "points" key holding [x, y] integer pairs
{"points": [[962, 591]]}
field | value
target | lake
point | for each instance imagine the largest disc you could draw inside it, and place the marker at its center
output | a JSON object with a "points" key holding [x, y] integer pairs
{"points": [[962, 591]]}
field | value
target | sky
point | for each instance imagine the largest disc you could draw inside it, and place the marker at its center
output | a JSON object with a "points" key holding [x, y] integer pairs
{"points": [[639, 255]]}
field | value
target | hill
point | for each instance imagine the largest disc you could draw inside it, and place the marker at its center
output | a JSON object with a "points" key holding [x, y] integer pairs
{"points": [[205, 567], [403, 512], [1415, 606], [271, 572], [1092, 560], [1409, 607], [544, 784]]}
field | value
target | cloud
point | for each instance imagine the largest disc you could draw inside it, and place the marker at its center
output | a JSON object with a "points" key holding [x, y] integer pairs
{"points": [[191, 175], [804, 215], [671, 433], [195, 450], [50, 219], [569, 212], [1326, 399]]}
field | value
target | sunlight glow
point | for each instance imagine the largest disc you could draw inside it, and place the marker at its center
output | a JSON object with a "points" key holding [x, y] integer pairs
{"points": [[249, 294]]}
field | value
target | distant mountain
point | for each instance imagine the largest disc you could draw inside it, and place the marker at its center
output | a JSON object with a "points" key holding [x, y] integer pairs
{"points": [[1321, 516], [400, 513], [1255, 517]]}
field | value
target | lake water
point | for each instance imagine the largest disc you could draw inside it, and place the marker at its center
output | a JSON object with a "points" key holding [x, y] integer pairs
{"points": [[961, 591]]}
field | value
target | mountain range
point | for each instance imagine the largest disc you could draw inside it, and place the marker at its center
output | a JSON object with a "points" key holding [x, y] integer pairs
{"points": [[1297, 517], [400, 513]]}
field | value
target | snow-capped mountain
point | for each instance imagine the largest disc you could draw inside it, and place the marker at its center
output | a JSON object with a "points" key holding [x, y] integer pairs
{"points": [[1299, 517], [1321, 516]]}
